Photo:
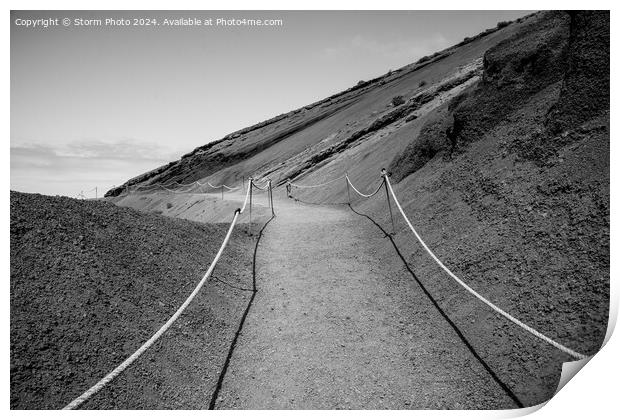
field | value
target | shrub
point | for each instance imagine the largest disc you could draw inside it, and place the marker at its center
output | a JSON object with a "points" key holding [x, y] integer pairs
{"points": [[502, 24], [168, 205], [398, 100], [422, 83]]}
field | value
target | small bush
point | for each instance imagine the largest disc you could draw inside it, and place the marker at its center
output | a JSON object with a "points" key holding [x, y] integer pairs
{"points": [[411, 117], [168, 205], [361, 82], [502, 24], [398, 100], [422, 83]]}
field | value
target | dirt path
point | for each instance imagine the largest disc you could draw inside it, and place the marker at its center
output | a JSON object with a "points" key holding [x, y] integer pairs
{"points": [[338, 322]]}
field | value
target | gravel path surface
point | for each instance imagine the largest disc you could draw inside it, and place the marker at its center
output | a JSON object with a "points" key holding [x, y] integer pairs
{"points": [[338, 322]]}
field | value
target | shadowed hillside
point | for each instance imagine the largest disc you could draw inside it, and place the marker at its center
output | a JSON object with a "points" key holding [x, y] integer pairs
{"points": [[90, 282]]}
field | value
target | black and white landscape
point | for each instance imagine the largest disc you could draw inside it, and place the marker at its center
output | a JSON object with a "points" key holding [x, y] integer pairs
{"points": [[497, 151]]}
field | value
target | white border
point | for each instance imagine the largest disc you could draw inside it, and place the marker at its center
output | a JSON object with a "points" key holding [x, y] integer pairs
{"points": [[592, 394]]}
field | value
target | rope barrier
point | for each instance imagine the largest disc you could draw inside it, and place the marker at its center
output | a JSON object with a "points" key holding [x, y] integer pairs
{"points": [[316, 185], [218, 187], [120, 368], [265, 188], [184, 185], [505, 314], [166, 186], [362, 194], [176, 191], [390, 191]]}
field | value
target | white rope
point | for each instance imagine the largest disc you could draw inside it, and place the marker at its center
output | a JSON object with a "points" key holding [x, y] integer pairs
{"points": [[247, 196], [183, 185], [202, 185], [166, 186], [220, 186], [316, 185], [148, 188], [177, 191], [360, 193], [152, 186], [110, 376], [511, 318], [265, 188]]}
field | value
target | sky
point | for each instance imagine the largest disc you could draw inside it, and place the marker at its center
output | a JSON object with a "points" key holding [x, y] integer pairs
{"points": [[92, 106]]}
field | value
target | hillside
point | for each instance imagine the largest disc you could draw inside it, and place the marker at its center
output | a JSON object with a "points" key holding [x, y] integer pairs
{"points": [[90, 282], [302, 140]]}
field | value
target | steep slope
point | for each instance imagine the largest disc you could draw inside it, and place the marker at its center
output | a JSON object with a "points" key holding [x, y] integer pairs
{"points": [[276, 147], [90, 282]]}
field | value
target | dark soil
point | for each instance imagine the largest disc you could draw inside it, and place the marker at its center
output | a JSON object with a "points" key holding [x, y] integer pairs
{"points": [[90, 282], [585, 88]]}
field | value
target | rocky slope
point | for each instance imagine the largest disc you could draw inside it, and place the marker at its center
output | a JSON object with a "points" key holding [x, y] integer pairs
{"points": [[295, 143], [90, 282]]}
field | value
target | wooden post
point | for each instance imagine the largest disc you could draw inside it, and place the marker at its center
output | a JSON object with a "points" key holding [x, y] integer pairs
{"points": [[271, 199], [387, 194], [250, 187], [346, 179], [222, 192]]}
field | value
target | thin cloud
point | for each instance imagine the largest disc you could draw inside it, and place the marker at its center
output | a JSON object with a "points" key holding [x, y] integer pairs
{"points": [[82, 164], [95, 149], [400, 50]]}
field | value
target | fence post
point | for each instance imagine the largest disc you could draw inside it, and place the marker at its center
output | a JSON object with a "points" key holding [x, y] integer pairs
{"points": [[271, 198], [346, 179], [96, 197], [250, 183], [387, 194], [222, 192]]}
